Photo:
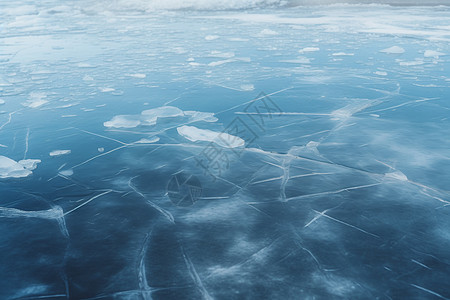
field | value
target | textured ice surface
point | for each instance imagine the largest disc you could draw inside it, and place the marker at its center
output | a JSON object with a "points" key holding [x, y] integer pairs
{"points": [[341, 190]]}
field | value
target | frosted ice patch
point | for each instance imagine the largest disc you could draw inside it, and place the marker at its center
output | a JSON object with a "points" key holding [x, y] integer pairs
{"points": [[221, 54], [148, 141], [106, 89], [87, 78], [2, 101], [220, 62], [30, 164], [101, 149], [309, 49], [59, 152], [211, 37], [200, 116], [351, 109], [68, 172], [122, 121], [380, 73], [137, 75], [150, 116], [268, 32], [411, 63], [36, 100], [342, 54], [393, 50], [247, 87], [195, 134], [299, 60], [432, 53], [397, 175], [11, 169]]}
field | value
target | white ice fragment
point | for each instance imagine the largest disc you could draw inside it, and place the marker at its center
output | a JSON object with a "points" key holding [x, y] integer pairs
{"points": [[2, 101], [397, 175], [220, 138], [268, 32], [351, 109], [12, 169], [417, 62], [221, 54], [299, 60], [60, 152], [123, 121], [36, 100], [84, 65], [393, 50], [309, 49], [30, 164], [432, 53], [200, 116], [137, 75], [211, 37], [106, 89], [101, 149], [220, 62], [153, 139], [68, 172], [150, 116], [380, 73], [342, 54], [247, 87]]}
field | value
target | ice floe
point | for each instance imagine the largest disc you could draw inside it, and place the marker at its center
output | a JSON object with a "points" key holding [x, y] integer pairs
{"points": [[11, 169], [36, 100], [223, 139], [150, 117], [59, 152], [393, 50], [432, 53]]}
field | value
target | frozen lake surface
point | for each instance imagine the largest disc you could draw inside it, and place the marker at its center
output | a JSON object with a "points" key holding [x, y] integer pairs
{"points": [[272, 153]]}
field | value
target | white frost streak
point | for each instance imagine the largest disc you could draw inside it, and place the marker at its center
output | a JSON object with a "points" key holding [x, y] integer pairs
{"points": [[194, 275]]}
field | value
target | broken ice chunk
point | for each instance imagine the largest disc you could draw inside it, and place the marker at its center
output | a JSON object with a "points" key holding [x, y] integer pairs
{"points": [[29, 164], [59, 152], [123, 121], [393, 50], [2, 101], [11, 169], [211, 37], [153, 139], [220, 138], [309, 49], [150, 116], [397, 175], [432, 53], [68, 172], [36, 100], [200, 116]]}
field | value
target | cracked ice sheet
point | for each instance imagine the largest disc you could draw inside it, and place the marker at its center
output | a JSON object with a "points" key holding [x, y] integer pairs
{"points": [[343, 195]]}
